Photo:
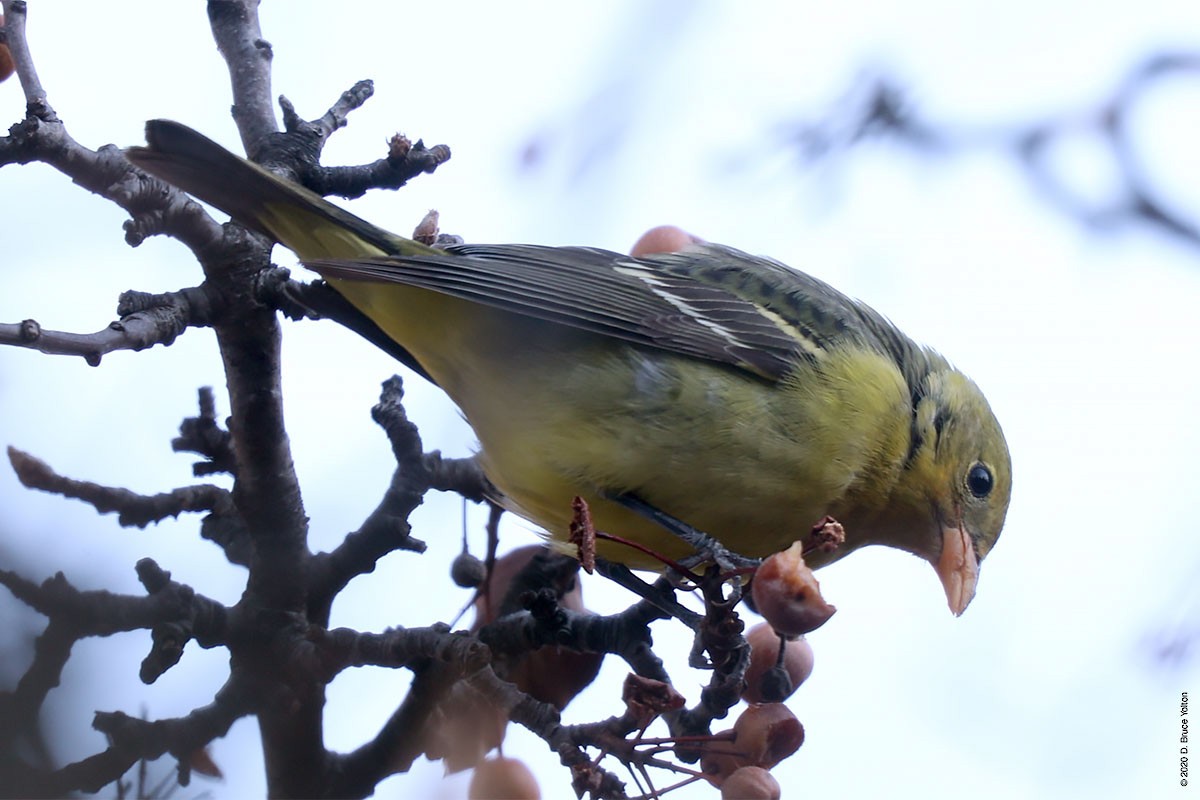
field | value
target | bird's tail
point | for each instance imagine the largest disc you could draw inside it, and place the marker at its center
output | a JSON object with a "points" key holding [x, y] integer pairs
{"points": [[300, 219]]}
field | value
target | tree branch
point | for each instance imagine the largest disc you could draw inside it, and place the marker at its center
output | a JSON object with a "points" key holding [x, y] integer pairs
{"points": [[404, 161], [146, 320], [132, 509], [41, 136], [21, 706], [401, 740], [133, 739], [204, 436], [102, 613], [342, 648], [239, 38], [336, 117], [18, 46]]}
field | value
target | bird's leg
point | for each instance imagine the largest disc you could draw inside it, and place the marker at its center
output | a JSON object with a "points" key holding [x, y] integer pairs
{"points": [[707, 548]]}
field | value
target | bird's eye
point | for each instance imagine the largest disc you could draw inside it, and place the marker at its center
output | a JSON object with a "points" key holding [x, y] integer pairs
{"points": [[980, 481]]}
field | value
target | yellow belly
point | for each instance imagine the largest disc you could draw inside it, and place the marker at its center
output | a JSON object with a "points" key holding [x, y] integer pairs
{"points": [[561, 413]]}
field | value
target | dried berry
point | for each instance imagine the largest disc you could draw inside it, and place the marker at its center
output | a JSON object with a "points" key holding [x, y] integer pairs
{"points": [[550, 674], [503, 778], [719, 759], [467, 571], [767, 733], [768, 680], [663, 239], [764, 735], [751, 783], [7, 67], [787, 594]]}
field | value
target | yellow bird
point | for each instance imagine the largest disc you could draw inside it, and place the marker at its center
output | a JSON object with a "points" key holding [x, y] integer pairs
{"points": [[733, 393]]}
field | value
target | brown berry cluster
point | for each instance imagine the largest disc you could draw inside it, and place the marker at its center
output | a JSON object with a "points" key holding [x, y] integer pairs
{"points": [[6, 61]]}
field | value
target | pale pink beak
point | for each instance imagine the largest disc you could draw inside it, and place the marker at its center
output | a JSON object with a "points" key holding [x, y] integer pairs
{"points": [[958, 568]]}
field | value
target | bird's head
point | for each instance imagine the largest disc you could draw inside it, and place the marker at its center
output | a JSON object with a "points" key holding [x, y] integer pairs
{"points": [[960, 472]]}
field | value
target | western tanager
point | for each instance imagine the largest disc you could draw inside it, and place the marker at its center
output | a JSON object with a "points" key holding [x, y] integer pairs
{"points": [[729, 391]]}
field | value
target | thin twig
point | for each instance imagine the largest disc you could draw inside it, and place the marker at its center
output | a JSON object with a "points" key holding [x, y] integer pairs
{"points": [[132, 509]]}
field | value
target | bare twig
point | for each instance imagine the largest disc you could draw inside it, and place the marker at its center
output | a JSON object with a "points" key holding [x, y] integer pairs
{"points": [[463, 476], [41, 136], [100, 613], [14, 36], [386, 529], [342, 648], [236, 30], [401, 740], [132, 509], [405, 160], [204, 436], [660, 594], [146, 320], [132, 739], [20, 707], [720, 636], [337, 115]]}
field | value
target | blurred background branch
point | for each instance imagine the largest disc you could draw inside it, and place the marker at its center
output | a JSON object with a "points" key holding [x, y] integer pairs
{"points": [[879, 110]]}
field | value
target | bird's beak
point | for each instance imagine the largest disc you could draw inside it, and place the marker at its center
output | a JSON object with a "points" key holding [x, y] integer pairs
{"points": [[957, 567]]}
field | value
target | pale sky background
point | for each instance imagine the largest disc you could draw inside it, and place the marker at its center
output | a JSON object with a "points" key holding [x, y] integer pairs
{"points": [[648, 112]]}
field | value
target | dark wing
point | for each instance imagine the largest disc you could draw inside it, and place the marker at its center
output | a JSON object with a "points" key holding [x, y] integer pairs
{"points": [[709, 302]]}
